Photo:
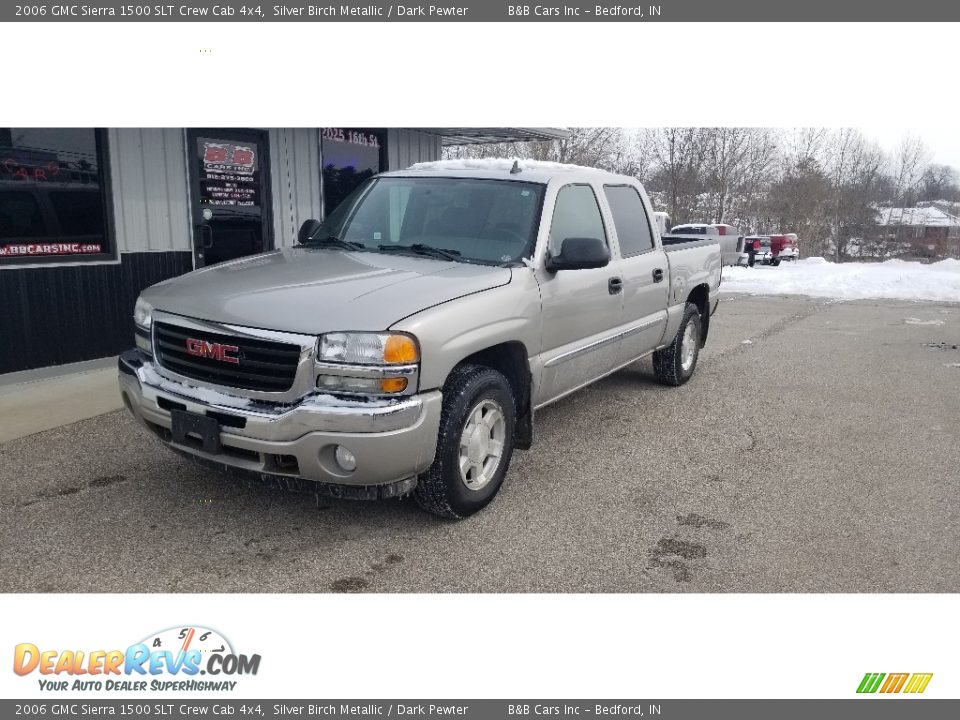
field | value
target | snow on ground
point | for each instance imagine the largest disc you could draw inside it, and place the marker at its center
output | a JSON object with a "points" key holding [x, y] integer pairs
{"points": [[815, 277]]}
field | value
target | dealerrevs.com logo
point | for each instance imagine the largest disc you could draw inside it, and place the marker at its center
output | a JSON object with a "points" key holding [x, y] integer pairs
{"points": [[172, 659], [892, 683]]}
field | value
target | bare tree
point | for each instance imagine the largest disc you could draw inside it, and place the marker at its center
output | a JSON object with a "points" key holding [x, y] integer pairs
{"points": [[740, 161], [823, 184], [727, 150], [680, 155], [613, 149], [851, 163], [758, 174], [909, 161], [939, 182]]}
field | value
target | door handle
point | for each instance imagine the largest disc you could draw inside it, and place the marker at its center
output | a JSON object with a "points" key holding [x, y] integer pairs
{"points": [[658, 275], [615, 285]]}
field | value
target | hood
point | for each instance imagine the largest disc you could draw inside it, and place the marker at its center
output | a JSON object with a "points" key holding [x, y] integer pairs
{"points": [[317, 290]]}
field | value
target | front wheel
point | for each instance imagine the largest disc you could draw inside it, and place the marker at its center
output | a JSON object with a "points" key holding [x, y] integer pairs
{"points": [[674, 365], [474, 446]]}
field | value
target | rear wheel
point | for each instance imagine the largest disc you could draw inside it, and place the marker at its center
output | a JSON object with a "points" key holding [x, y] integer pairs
{"points": [[674, 365], [474, 446]]}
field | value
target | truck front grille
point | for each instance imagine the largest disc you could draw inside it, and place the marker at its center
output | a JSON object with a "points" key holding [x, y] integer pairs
{"points": [[262, 365]]}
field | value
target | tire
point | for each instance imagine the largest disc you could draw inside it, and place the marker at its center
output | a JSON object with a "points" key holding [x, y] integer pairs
{"points": [[444, 489], [674, 365]]}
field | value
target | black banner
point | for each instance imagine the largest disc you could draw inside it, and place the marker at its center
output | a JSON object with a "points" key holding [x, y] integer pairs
{"points": [[486, 11], [853, 709]]}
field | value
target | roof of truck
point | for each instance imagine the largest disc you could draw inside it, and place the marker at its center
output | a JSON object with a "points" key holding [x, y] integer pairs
{"points": [[537, 171]]}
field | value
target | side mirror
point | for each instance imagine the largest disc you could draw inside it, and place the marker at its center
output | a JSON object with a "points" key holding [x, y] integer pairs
{"points": [[308, 228], [579, 254]]}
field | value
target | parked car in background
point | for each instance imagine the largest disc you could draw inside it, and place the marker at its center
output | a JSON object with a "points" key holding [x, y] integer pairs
{"points": [[729, 237], [785, 246], [758, 249]]}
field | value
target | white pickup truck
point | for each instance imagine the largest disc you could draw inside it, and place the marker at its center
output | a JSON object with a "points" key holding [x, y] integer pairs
{"points": [[404, 345]]}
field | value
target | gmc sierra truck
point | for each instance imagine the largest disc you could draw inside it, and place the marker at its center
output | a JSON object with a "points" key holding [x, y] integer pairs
{"points": [[404, 344]]}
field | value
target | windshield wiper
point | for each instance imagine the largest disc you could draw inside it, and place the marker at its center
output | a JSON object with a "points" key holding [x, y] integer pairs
{"points": [[421, 249], [334, 241]]}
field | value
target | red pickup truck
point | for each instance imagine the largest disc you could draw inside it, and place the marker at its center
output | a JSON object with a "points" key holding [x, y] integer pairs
{"points": [[771, 249], [784, 247]]}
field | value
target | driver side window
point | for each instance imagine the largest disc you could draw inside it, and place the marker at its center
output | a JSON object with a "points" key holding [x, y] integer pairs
{"points": [[575, 214]]}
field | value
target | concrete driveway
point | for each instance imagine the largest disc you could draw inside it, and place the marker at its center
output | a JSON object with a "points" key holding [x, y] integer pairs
{"points": [[815, 450]]}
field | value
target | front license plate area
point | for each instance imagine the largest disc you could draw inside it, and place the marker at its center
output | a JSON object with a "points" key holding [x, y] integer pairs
{"points": [[206, 429]]}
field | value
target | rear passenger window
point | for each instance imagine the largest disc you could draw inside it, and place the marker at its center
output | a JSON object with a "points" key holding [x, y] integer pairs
{"points": [[630, 219], [575, 215]]}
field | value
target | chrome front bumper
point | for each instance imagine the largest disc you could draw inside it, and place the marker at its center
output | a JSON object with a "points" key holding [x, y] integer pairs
{"points": [[392, 439]]}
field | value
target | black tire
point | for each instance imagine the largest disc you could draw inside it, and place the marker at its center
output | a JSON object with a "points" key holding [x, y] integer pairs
{"points": [[668, 363], [440, 489]]}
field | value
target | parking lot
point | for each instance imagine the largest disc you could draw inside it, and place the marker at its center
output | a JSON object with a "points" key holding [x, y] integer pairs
{"points": [[815, 450]]}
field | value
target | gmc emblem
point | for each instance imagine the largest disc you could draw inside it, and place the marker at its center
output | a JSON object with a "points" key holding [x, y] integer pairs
{"points": [[214, 351]]}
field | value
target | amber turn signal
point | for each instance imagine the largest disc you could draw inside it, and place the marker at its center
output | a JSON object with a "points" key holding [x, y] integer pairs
{"points": [[400, 349], [393, 384]]}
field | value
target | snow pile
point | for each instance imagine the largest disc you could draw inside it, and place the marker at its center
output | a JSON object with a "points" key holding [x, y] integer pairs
{"points": [[501, 164], [815, 277]]}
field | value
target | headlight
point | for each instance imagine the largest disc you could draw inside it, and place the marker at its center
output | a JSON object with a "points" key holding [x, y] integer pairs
{"points": [[142, 318], [368, 349], [142, 313], [368, 364]]}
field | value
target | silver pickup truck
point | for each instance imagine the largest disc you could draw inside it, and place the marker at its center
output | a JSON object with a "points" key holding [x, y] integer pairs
{"points": [[404, 345]]}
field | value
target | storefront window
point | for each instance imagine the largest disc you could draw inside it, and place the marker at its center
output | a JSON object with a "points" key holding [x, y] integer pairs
{"points": [[52, 195], [349, 157]]}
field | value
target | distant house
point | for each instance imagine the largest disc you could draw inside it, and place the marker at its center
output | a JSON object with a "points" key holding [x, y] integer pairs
{"points": [[925, 231]]}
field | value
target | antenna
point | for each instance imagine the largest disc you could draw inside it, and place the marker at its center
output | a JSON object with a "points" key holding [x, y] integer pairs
{"points": [[516, 167]]}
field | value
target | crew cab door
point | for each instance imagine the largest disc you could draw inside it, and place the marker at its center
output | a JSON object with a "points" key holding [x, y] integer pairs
{"points": [[646, 275], [581, 308]]}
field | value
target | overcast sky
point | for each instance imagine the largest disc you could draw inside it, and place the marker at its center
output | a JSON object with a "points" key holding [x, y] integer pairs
{"points": [[943, 142]]}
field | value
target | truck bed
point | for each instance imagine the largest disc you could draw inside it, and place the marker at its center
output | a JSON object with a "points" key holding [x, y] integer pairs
{"points": [[678, 242]]}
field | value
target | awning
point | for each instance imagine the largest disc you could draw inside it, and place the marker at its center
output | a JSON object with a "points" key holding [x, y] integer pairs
{"points": [[480, 136]]}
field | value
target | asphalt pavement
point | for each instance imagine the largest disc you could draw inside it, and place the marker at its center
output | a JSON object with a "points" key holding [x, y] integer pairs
{"points": [[815, 450]]}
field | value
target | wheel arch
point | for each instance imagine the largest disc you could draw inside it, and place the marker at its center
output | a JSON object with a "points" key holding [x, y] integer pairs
{"points": [[700, 296], [510, 358]]}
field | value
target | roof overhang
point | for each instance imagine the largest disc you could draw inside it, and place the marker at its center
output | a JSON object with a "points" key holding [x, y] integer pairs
{"points": [[483, 136]]}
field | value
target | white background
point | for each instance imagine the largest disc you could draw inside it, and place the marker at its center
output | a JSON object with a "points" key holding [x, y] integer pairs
{"points": [[661, 646], [522, 646]]}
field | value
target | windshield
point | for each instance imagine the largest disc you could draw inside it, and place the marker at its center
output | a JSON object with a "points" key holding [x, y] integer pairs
{"points": [[492, 222]]}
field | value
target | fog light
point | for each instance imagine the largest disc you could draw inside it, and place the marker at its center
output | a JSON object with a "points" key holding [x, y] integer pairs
{"points": [[339, 383], [345, 459], [393, 384]]}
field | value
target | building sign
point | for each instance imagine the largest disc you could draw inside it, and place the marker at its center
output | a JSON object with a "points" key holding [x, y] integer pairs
{"points": [[229, 174], [9, 250], [17, 164], [355, 137]]}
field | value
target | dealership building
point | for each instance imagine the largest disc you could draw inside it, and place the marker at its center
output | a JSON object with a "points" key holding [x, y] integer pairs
{"points": [[90, 217]]}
